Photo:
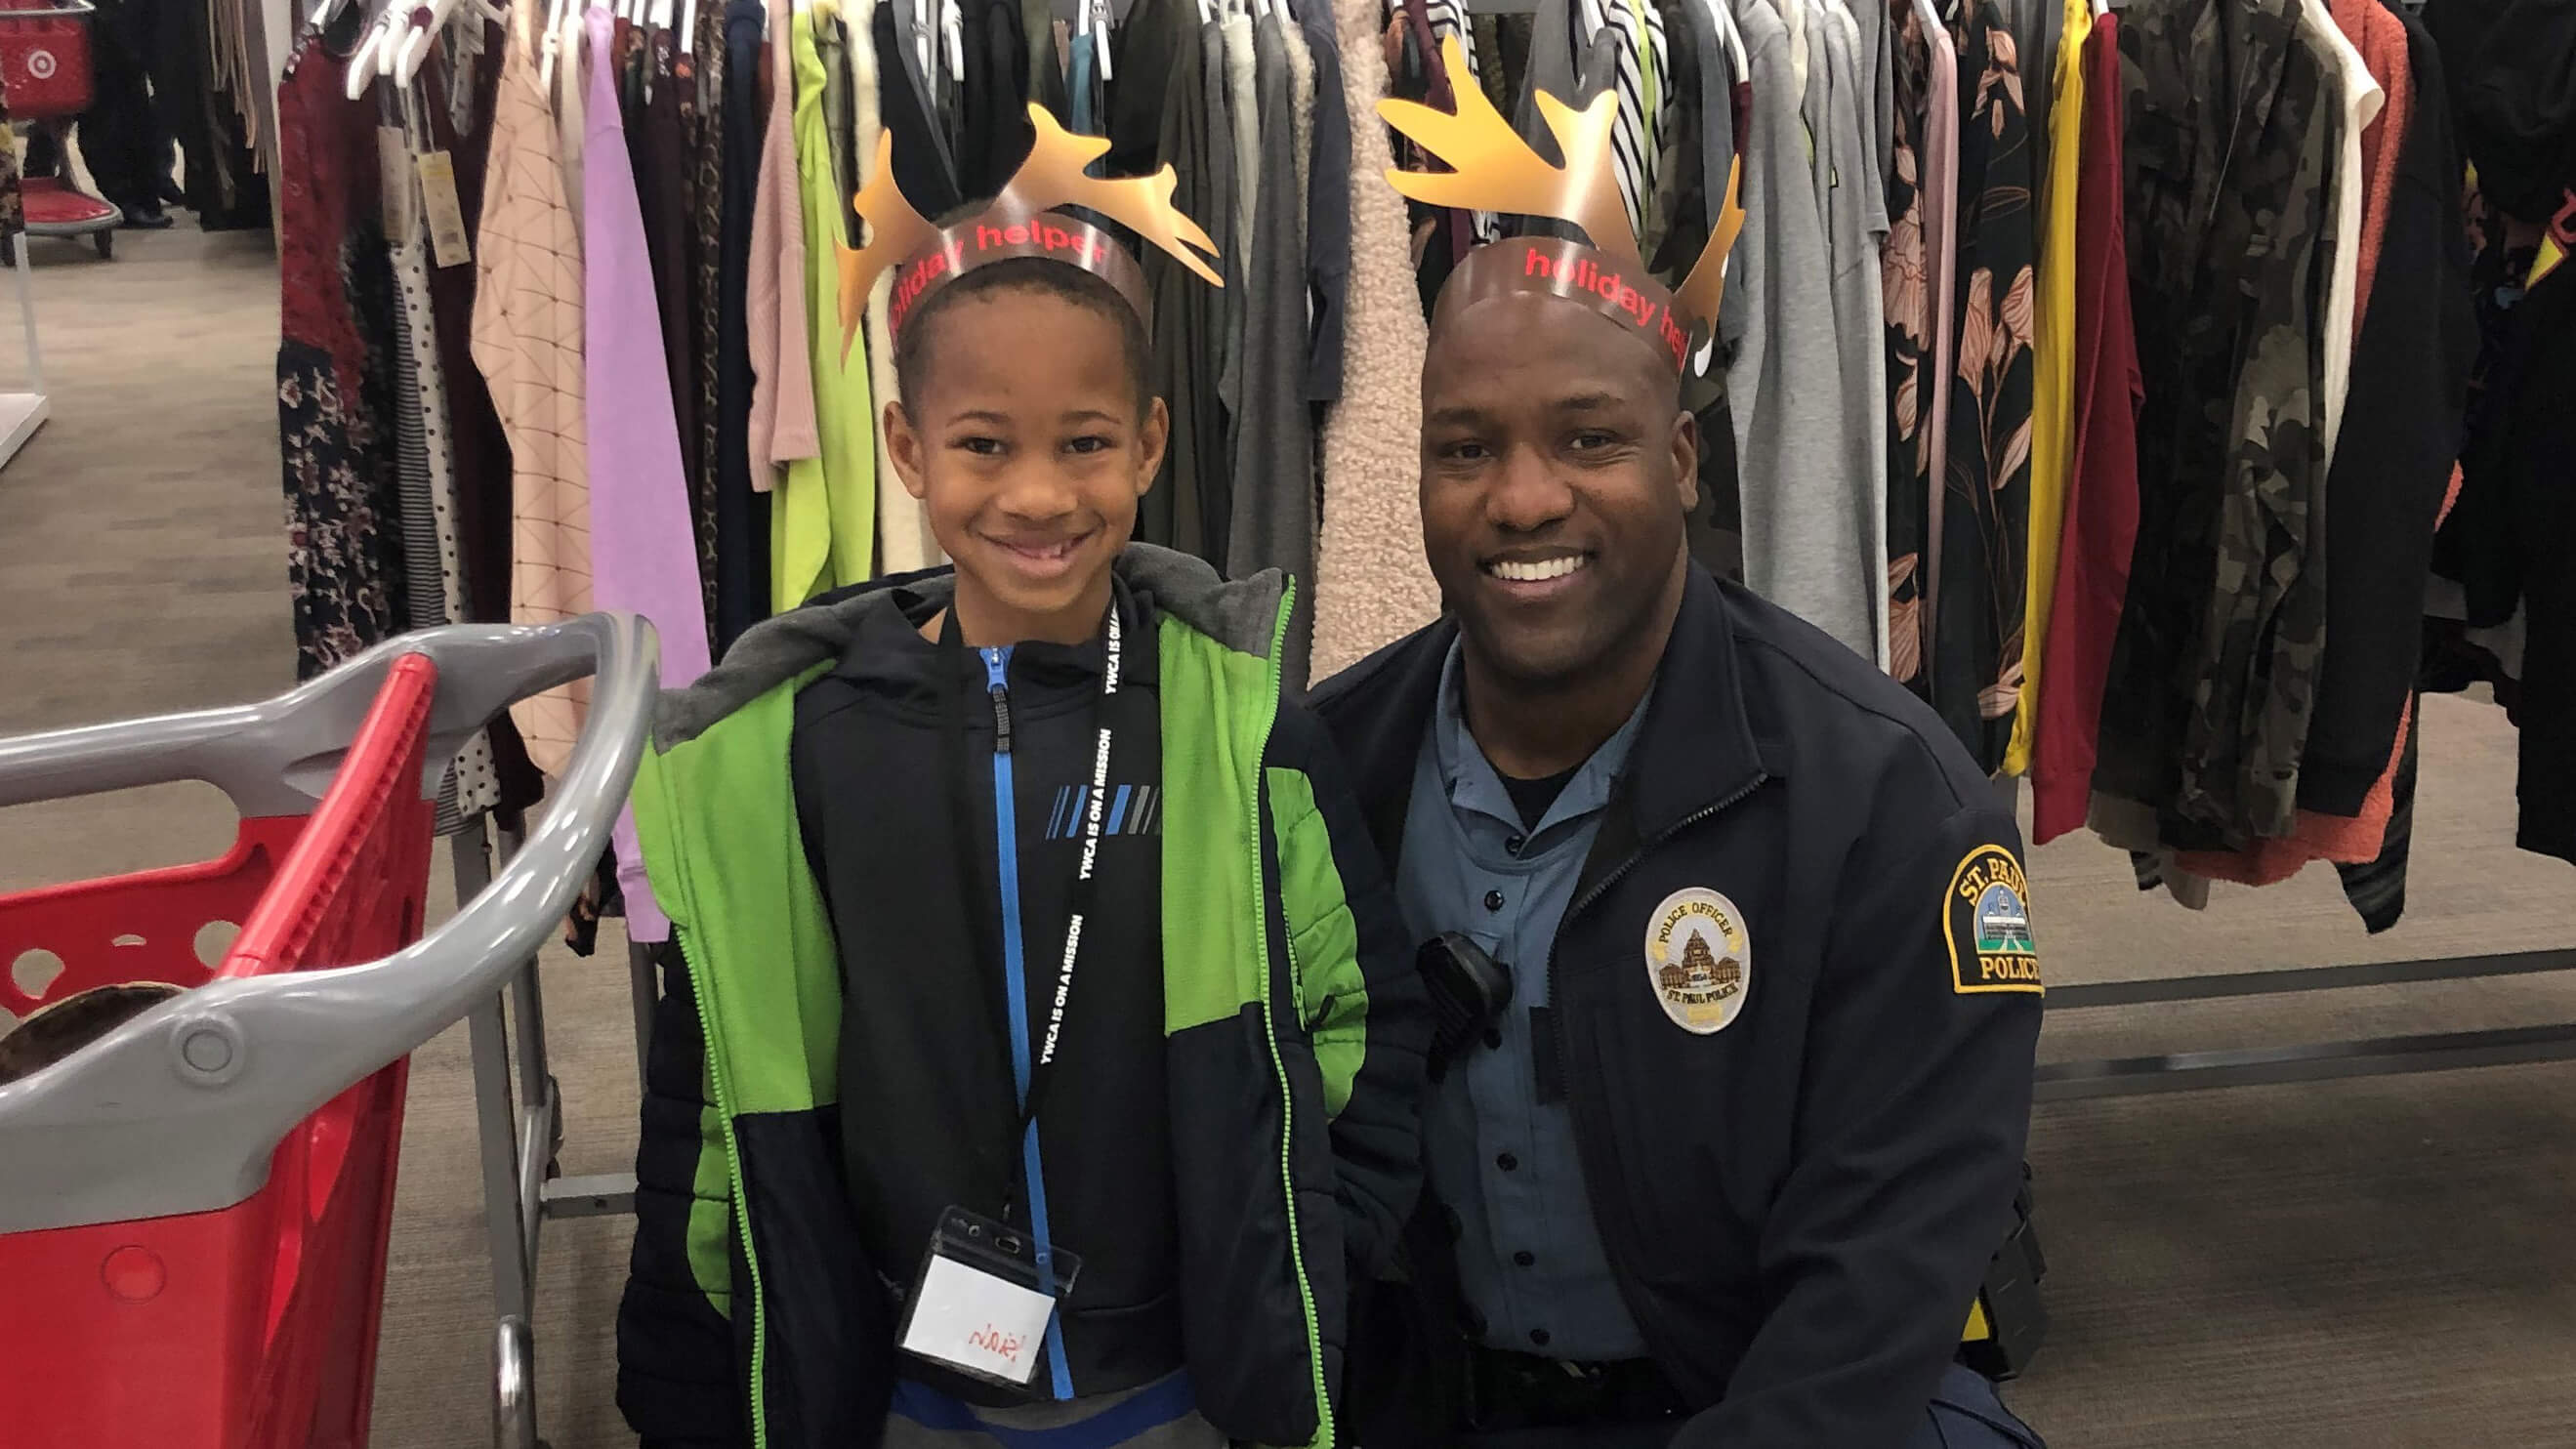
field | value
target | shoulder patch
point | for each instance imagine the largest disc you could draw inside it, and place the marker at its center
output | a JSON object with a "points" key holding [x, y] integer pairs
{"points": [[1985, 919]]}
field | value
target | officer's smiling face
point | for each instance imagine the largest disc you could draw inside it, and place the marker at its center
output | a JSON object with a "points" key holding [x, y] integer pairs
{"points": [[1557, 471]]}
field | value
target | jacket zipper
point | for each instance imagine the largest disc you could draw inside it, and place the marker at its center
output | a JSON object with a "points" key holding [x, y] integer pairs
{"points": [[716, 1078], [1600, 888], [1006, 864], [1270, 1030]]}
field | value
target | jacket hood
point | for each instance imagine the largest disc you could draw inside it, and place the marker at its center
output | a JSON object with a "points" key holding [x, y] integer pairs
{"points": [[1242, 615]]}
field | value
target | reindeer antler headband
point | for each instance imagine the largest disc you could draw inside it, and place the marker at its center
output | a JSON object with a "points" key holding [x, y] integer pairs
{"points": [[1017, 224], [1494, 169]]}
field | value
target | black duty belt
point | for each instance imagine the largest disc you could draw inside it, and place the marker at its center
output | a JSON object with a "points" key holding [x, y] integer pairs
{"points": [[1508, 1390]]}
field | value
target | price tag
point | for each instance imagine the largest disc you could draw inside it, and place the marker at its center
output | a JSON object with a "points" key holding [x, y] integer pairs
{"points": [[984, 1299], [447, 241]]}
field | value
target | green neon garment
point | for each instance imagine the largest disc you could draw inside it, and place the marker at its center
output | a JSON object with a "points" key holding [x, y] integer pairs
{"points": [[823, 528]]}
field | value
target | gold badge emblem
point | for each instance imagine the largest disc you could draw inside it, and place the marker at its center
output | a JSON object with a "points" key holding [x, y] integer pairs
{"points": [[1699, 961], [1986, 918]]}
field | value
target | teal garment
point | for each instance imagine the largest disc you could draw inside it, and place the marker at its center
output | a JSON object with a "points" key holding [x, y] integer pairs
{"points": [[1083, 80]]}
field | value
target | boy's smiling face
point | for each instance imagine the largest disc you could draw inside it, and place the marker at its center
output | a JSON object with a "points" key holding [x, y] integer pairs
{"points": [[1029, 447]]}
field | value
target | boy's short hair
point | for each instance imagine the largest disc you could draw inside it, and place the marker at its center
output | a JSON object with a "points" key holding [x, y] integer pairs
{"points": [[1066, 283]]}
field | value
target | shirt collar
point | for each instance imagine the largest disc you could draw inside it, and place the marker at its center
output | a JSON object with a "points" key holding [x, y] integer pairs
{"points": [[1475, 786]]}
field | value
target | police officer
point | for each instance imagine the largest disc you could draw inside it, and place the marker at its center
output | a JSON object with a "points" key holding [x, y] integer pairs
{"points": [[1729, 1167]]}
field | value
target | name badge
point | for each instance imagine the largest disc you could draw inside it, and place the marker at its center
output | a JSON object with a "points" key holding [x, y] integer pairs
{"points": [[984, 1298]]}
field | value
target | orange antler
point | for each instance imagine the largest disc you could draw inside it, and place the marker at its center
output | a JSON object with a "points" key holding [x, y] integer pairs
{"points": [[894, 232], [1054, 175], [1493, 169], [1705, 287]]}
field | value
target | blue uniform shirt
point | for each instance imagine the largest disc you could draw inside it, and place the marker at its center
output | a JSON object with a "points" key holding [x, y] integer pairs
{"points": [[1529, 1257]]}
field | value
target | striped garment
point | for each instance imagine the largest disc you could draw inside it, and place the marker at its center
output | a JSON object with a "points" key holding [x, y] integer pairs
{"points": [[1449, 18], [1646, 109]]}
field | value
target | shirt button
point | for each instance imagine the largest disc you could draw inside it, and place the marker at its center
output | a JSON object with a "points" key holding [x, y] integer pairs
{"points": [[1507, 1162], [1539, 1336], [1493, 900], [1524, 1258], [1514, 844]]}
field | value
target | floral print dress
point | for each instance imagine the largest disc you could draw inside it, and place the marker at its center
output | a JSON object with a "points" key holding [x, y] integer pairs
{"points": [[1984, 517], [335, 370]]}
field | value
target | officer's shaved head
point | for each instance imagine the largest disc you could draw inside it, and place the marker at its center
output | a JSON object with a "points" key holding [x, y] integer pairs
{"points": [[1558, 470]]}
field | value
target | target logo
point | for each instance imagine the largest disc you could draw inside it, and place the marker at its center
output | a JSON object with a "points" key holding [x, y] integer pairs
{"points": [[40, 64]]}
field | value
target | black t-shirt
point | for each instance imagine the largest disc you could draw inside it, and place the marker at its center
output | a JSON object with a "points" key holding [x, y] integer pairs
{"points": [[1532, 797], [928, 1110]]}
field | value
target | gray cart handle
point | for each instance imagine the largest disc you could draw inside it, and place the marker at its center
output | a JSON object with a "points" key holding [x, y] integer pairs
{"points": [[179, 1110]]}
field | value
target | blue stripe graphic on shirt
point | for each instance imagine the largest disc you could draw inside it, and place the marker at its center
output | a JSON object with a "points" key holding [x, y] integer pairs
{"points": [[1134, 810], [1149, 1408], [1006, 836]]}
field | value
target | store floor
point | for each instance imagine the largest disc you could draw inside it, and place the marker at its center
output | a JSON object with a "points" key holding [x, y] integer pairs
{"points": [[2341, 1266]]}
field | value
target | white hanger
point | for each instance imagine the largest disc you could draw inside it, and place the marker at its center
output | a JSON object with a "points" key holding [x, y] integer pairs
{"points": [[550, 46], [368, 61], [688, 26], [323, 12], [952, 38], [1207, 13], [406, 59], [1095, 23]]}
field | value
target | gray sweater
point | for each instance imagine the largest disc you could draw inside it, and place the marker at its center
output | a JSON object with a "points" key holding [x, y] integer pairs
{"points": [[1803, 489]]}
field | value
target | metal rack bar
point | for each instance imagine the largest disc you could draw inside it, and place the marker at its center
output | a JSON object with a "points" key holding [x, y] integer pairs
{"points": [[2306, 1061]]}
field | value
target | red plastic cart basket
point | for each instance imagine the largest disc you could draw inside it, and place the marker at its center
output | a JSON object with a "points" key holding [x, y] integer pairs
{"points": [[195, 1205], [45, 65], [44, 61]]}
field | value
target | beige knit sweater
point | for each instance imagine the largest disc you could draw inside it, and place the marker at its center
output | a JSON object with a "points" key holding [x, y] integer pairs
{"points": [[1371, 585]]}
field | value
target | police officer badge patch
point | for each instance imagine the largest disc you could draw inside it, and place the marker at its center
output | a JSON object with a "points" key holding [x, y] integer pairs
{"points": [[1699, 960], [1986, 918]]}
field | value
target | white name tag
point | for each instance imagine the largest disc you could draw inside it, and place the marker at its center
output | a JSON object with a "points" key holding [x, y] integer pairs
{"points": [[969, 1319]]}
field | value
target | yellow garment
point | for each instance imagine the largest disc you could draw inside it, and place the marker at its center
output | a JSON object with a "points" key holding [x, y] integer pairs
{"points": [[2052, 391], [823, 518]]}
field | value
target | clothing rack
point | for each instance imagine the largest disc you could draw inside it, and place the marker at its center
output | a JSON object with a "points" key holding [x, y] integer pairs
{"points": [[22, 412], [2307, 1061]]}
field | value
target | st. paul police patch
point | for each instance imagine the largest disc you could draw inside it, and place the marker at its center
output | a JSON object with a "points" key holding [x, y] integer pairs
{"points": [[1985, 918]]}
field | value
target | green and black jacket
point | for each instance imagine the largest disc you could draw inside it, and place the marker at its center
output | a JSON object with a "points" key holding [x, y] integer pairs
{"points": [[1293, 1023]]}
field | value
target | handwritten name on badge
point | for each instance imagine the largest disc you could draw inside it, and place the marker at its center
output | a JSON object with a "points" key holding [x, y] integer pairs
{"points": [[973, 1320]]}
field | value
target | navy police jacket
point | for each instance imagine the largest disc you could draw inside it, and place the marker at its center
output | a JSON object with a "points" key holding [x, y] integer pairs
{"points": [[1801, 1144]]}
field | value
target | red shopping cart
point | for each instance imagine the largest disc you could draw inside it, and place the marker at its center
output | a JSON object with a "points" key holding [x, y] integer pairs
{"points": [[201, 1158], [44, 67]]}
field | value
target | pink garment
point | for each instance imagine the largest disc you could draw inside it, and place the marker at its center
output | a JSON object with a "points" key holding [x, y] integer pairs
{"points": [[782, 364], [527, 343], [1940, 193], [644, 550]]}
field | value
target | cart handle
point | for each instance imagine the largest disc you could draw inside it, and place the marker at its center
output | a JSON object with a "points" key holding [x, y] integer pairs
{"points": [[179, 1110], [48, 12]]}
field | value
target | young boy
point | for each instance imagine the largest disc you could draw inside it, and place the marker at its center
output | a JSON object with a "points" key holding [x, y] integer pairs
{"points": [[1015, 902]]}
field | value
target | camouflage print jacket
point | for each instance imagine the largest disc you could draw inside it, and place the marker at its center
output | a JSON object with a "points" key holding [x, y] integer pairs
{"points": [[2232, 130]]}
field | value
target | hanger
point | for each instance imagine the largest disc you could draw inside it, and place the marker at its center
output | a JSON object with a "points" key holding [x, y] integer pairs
{"points": [[1091, 19], [368, 61], [415, 46], [550, 47], [1730, 34], [688, 26], [952, 39], [324, 12]]}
